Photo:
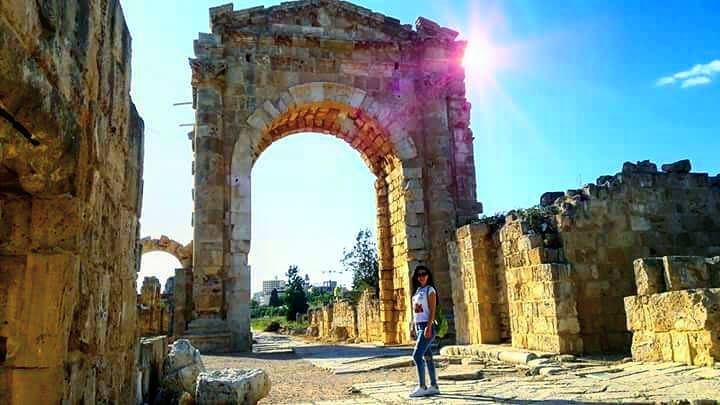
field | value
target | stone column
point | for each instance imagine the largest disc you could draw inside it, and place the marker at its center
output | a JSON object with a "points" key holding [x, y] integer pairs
{"points": [[182, 295], [209, 197], [237, 281], [388, 315], [441, 214]]}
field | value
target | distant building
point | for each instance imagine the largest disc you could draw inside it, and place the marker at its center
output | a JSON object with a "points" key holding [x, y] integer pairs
{"points": [[269, 285], [261, 298], [325, 287]]}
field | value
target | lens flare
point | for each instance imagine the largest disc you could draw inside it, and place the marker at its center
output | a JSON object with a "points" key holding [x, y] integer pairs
{"points": [[477, 55]]}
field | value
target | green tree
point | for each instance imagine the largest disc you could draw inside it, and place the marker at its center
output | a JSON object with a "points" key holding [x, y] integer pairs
{"points": [[274, 299], [317, 297], [362, 261], [295, 298]]}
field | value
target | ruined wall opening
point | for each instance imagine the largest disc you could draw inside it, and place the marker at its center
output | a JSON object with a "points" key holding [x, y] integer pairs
{"points": [[157, 264]]}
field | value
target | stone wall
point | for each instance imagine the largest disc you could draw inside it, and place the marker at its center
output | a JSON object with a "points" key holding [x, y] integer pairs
{"points": [[540, 291], [71, 147], [637, 213], [345, 316], [568, 260], [361, 321], [675, 315], [369, 320], [154, 315], [474, 278]]}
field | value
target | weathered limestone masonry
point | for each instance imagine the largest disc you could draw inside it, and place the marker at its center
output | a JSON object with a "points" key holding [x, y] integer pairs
{"points": [[362, 322], [153, 311], [180, 302], [322, 318], [181, 252], [345, 317], [481, 308], [71, 147], [566, 264], [540, 291], [675, 315], [393, 93], [369, 320]]}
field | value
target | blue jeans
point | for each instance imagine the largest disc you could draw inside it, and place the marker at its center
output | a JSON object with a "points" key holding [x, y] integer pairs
{"points": [[422, 355]]}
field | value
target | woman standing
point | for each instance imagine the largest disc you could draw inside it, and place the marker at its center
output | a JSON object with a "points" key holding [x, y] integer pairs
{"points": [[424, 303]]}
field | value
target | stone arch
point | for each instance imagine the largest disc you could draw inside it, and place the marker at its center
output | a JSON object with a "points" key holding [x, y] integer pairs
{"points": [[164, 244], [336, 109], [351, 115], [393, 93]]}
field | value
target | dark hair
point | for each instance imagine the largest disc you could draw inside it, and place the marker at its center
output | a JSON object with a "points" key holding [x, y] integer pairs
{"points": [[416, 283]]}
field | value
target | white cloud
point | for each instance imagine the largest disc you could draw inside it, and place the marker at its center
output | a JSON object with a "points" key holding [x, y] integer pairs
{"points": [[697, 75], [695, 81]]}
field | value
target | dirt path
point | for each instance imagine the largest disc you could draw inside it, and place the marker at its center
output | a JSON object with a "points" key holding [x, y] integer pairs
{"points": [[295, 380]]}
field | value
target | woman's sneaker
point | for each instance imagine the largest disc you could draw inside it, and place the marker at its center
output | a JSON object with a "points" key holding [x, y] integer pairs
{"points": [[432, 390], [418, 392]]}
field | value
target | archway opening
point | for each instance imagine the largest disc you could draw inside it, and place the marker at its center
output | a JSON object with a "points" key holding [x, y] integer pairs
{"points": [[157, 264], [312, 194]]}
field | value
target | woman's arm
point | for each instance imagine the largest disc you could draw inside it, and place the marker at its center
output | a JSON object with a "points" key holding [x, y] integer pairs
{"points": [[432, 298], [432, 304]]}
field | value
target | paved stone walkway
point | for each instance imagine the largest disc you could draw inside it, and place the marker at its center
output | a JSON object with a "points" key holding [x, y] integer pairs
{"points": [[577, 381], [628, 382]]}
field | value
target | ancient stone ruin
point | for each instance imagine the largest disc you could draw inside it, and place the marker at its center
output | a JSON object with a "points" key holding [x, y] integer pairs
{"points": [[155, 309], [555, 278], [71, 153], [675, 315], [346, 320], [394, 93], [629, 263]]}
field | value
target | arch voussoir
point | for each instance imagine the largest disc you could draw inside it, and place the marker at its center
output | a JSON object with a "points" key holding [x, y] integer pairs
{"points": [[164, 244]]}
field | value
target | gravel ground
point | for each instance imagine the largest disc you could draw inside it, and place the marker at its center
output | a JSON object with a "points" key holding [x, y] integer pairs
{"points": [[295, 380]]}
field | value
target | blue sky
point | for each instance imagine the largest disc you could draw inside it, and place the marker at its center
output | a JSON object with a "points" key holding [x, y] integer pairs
{"points": [[561, 94]]}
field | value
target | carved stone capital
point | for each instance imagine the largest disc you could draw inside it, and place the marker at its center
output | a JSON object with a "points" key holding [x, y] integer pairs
{"points": [[206, 70]]}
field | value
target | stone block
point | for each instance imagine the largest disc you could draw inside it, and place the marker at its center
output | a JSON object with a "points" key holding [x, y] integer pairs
{"points": [[56, 223], [232, 386], [649, 275], [686, 272], [15, 220], [49, 281], [646, 346], [687, 310], [634, 309]]}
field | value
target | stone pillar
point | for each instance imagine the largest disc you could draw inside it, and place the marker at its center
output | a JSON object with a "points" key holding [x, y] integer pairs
{"points": [[182, 297], [388, 314], [238, 277], [441, 210], [209, 196], [474, 282], [238, 299], [541, 292]]}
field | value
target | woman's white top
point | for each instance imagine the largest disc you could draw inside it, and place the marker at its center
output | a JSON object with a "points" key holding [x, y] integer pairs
{"points": [[421, 308]]}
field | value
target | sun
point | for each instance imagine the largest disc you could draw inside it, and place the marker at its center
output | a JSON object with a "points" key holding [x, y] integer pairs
{"points": [[479, 56]]}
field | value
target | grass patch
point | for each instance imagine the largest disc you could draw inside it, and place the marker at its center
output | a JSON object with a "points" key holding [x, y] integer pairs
{"points": [[259, 324]]}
